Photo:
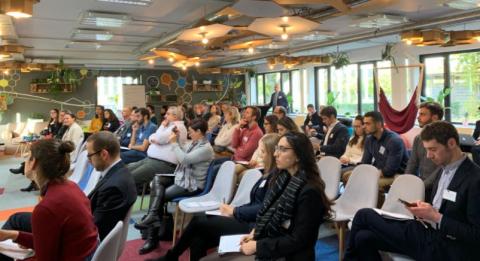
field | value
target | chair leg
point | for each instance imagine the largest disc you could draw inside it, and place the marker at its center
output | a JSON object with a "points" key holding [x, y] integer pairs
{"points": [[182, 223], [341, 227], [177, 209], [144, 190]]}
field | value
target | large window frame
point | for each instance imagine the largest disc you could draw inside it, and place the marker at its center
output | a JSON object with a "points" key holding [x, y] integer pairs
{"points": [[264, 94]]}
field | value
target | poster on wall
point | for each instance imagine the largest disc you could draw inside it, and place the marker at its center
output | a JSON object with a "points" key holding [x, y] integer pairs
{"points": [[133, 95]]}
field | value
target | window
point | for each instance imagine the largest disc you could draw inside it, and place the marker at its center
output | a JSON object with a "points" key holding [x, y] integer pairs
{"points": [[344, 88], [367, 92], [296, 92], [110, 93], [322, 85], [270, 80], [286, 82], [434, 77], [385, 78], [260, 96], [253, 91]]}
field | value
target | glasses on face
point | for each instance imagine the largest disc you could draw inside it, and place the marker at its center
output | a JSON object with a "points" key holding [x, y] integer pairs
{"points": [[282, 148], [92, 154], [357, 126]]}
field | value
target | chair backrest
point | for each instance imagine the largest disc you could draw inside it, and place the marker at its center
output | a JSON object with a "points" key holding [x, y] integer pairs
{"points": [[407, 187], [242, 196], [224, 183], [92, 181], [80, 167], [78, 149], [330, 170], [123, 237], [108, 248], [361, 190]]}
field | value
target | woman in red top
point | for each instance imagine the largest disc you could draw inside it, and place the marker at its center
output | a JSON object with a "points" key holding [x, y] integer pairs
{"points": [[62, 223]]}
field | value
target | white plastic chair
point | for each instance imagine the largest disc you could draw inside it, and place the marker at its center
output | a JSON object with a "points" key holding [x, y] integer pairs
{"points": [[123, 237], [78, 149], [360, 192], [222, 190], [92, 182], [242, 196], [108, 248], [330, 171], [79, 167]]}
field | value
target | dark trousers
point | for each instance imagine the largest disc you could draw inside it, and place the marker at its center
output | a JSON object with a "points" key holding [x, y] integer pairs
{"points": [[370, 233], [130, 156], [21, 221], [475, 150], [204, 232]]}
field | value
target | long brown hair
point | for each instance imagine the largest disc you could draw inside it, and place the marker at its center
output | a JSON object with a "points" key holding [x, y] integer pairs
{"points": [[269, 142], [356, 137]]}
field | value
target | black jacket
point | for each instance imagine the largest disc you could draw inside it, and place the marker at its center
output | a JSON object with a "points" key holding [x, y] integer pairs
{"points": [[314, 119], [299, 244], [112, 197], [459, 234], [337, 141], [248, 212], [476, 132], [281, 100]]}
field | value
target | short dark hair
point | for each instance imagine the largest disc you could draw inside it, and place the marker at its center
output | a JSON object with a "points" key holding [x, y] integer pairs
{"points": [[151, 107], [434, 107], [282, 109], [310, 106], [105, 140], [441, 131], [329, 111], [375, 115], [199, 124], [255, 112], [143, 111]]}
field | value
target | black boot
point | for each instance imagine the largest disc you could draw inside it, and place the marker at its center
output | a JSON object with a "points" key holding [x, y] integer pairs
{"points": [[169, 256], [151, 243], [156, 206], [20, 170], [31, 187]]}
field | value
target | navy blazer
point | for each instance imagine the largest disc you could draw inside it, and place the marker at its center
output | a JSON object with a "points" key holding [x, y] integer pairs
{"points": [[337, 141], [112, 197], [459, 235], [248, 212], [281, 100]]}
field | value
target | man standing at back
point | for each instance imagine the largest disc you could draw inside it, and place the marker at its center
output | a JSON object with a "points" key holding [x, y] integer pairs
{"points": [[278, 98], [115, 191]]}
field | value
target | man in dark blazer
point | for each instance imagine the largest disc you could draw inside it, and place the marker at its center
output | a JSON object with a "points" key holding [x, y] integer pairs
{"points": [[278, 98], [115, 191], [450, 223], [475, 150], [336, 138]]}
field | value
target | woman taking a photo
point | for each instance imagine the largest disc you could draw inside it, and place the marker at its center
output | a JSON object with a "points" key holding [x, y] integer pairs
{"points": [[62, 222]]}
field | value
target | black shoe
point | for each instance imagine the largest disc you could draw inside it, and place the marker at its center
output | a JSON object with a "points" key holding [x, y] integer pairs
{"points": [[31, 187], [16, 171], [148, 246], [167, 257]]}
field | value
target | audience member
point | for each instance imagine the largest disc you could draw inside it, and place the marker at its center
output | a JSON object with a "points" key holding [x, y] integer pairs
{"points": [[54, 124], [126, 111], [204, 232], [278, 98], [447, 227], [164, 109], [142, 128], [354, 151], [201, 111], [96, 124], [224, 137], [215, 117], [63, 127], [293, 209], [73, 133], [62, 223], [151, 110], [246, 135], [190, 178], [111, 121], [115, 191], [286, 124], [475, 150], [270, 124], [160, 158], [280, 112], [124, 132], [312, 119], [336, 137]]}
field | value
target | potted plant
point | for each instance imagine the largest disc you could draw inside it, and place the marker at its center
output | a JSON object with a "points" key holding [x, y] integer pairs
{"points": [[339, 59]]}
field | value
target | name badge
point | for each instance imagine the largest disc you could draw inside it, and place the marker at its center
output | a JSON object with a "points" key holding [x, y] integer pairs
{"points": [[140, 136], [331, 136], [280, 97], [245, 139], [450, 195], [262, 184], [381, 150], [129, 135]]}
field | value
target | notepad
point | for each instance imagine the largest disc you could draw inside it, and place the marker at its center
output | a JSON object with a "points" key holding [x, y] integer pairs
{"points": [[214, 213], [392, 215], [13, 250], [230, 244]]}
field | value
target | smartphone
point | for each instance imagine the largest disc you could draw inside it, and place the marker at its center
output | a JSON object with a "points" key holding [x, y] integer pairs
{"points": [[406, 203], [175, 129]]}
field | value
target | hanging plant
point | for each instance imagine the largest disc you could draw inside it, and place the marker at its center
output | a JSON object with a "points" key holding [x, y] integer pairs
{"points": [[339, 59], [62, 76], [387, 54]]}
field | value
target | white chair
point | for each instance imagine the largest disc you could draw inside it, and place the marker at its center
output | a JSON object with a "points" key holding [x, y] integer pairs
{"points": [[330, 171], [123, 237], [222, 190], [78, 149], [79, 167], [108, 248], [360, 192], [92, 182], [242, 196]]}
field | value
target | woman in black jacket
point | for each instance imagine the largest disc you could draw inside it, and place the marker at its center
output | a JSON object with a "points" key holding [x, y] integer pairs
{"points": [[204, 232], [111, 121], [293, 210]]}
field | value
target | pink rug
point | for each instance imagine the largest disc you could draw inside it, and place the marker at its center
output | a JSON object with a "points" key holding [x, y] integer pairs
{"points": [[130, 253], [2, 190]]}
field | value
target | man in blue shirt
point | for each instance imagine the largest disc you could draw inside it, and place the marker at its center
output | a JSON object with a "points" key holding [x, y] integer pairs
{"points": [[142, 128]]}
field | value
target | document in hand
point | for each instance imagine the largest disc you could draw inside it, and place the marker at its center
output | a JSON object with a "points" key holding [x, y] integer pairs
{"points": [[392, 215], [230, 244], [14, 251]]}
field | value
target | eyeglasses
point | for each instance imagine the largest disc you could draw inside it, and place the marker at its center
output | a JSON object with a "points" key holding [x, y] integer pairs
{"points": [[92, 154], [282, 149]]}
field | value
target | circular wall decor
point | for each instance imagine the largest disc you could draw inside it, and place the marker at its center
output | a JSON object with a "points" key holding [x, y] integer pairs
{"points": [[153, 82]]}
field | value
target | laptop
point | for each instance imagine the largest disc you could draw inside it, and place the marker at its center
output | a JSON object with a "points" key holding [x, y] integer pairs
{"points": [[466, 140]]}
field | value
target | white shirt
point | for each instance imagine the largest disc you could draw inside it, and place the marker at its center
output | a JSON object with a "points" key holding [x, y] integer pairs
{"points": [[447, 175], [161, 149], [330, 128]]}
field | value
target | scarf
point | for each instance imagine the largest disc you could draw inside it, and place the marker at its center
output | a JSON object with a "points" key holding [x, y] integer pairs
{"points": [[278, 206]]}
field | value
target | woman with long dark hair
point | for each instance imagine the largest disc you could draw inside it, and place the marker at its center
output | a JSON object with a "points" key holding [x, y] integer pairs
{"points": [[53, 125], [354, 151], [111, 121]]}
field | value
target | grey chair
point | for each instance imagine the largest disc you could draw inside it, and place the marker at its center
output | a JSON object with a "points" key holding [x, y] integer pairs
{"points": [[108, 248], [330, 171], [242, 196], [123, 238]]}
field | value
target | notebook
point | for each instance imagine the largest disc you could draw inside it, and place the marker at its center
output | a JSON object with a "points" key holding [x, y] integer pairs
{"points": [[11, 249], [230, 244]]}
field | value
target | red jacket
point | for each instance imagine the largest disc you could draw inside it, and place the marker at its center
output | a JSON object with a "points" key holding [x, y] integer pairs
{"points": [[62, 225], [245, 142]]}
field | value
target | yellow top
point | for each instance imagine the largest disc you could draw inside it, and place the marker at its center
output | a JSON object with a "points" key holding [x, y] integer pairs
{"points": [[96, 125]]}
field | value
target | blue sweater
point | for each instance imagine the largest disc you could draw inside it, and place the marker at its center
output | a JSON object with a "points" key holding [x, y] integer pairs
{"points": [[387, 154]]}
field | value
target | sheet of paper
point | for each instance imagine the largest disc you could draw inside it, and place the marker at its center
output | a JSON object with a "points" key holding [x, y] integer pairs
{"points": [[391, 215], [11, 249], [213, 212], [229, 244], [202, 204], [124, 148]]}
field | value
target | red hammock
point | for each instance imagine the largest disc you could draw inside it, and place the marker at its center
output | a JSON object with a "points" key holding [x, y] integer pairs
{"points": [[398, 121]]}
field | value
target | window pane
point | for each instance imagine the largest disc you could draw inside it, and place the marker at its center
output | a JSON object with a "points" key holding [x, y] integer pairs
{"points": [[434, 78], [366, 87], [465, 83], [322, 85], [109, 91], [260, 98], [253, 91], [344, 87], [385, 78], [270, 80], [296, 92], [286, 82]]}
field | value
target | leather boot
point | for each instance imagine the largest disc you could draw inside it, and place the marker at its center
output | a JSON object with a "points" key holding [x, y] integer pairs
{"points": [[151, 243], [20, 170], [169, 256], [31, 187], [156, 206]]}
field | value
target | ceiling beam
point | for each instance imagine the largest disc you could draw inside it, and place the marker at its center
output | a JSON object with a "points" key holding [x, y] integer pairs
{"points": [[337, 4]]}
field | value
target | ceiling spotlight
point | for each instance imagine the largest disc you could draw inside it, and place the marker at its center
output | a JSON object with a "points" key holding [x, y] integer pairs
{"points": [[251, 50], [197, 64], [6, 72], [205, 41], [204, 37], [19, 8], [184, 67], [202, 28], [151, 61], [284, 35], [285, 19], [271, 66], [171, 59]]}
